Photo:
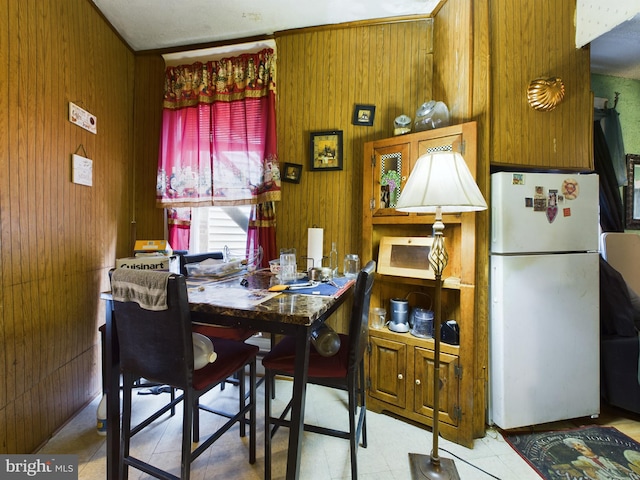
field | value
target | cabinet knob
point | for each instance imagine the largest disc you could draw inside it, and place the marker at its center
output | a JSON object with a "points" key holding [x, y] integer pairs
{"points": [[417, 381], [400, 376]]}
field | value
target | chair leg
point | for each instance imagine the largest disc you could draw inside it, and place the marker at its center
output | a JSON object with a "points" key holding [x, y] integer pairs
{"points": [[195, 402], [240, 375], [268, 385], [363, 405], [353, 431], [125, 440], [190, 405], [272, 340], [252, 412]]}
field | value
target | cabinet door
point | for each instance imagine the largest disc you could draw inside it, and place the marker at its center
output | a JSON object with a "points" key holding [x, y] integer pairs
{"points": [[449, 381], [388, 371], [451, 142], [391, 170]]}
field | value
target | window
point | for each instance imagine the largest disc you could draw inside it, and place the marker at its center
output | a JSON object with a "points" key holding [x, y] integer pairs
{"points": [[213, 228]]}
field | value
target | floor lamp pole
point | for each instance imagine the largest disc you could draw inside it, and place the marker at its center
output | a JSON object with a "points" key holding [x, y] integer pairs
{"points": [[422, 466]]}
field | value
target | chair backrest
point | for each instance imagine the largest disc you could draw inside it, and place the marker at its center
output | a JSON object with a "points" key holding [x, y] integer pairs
{"points": [[157, 344], [359, 323], [622, 252], [197, 258]]}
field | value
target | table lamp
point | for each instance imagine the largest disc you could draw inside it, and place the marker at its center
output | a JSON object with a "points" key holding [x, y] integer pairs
{"points": [[440, 182]]}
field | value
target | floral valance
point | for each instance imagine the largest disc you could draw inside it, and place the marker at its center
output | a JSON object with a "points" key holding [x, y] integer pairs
{"points": [[250, 75]]}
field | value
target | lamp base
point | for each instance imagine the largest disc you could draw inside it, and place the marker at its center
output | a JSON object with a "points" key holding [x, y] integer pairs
{"points": [[423, 467]]}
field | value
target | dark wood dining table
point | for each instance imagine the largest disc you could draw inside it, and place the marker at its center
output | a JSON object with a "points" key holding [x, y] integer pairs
{"points": [[243, 301]]}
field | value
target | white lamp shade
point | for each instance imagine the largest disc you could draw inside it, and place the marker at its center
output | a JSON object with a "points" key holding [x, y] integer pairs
{"points": [[442, 180]]}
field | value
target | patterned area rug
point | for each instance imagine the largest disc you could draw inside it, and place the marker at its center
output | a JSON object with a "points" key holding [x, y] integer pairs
{"points": [[598, 453]]}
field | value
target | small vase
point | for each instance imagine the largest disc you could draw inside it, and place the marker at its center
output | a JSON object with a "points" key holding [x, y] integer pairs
{"points": [[393, 197]]}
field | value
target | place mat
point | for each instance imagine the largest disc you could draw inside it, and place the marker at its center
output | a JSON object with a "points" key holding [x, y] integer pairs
{"points": [[323, 289], [590, 452]]}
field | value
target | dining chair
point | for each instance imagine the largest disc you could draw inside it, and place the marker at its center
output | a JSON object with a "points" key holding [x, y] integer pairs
{"points": [[343, 371], [153, 324], [212, 331], [202, 326]]}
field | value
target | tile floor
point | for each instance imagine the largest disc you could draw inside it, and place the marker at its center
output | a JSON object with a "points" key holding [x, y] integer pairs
{"points": [[323, 458]]}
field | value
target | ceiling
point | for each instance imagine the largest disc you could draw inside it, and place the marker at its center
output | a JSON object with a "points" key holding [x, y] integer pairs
{"points": [[167, 24], [617, 52]]}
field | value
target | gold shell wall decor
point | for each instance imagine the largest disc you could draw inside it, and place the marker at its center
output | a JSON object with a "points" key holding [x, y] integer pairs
{"points": [[545, 94]]}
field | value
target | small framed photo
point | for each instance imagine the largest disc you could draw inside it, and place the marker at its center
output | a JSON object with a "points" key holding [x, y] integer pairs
{"points": [[363, 115], [326, 150], [292, 172]]}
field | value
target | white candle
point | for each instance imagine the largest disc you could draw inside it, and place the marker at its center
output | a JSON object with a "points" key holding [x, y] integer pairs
{"points": [[314, 246]]}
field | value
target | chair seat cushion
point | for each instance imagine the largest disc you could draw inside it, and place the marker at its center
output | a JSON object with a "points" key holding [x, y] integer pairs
{"points": [[228, 333], [232, 356], [282, 358]]}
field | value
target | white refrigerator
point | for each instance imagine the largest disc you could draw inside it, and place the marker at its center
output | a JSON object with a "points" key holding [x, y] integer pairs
{"points": [[544, 344]]}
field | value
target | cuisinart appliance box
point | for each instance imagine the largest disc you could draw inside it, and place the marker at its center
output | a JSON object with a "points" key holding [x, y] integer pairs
{"points": [[150, 262]]}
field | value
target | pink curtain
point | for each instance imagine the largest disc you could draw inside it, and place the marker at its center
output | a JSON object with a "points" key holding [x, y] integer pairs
{"points": [[262, 231], [179, 222], [218, 141]]}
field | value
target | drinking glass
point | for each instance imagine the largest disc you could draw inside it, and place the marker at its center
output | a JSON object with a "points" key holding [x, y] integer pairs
{"points": [[378, 318], [351, 265], [288, 265]]}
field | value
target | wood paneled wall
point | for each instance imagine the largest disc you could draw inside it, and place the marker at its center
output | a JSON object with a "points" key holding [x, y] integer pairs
{"points": [[148, 220], [538, 40], [57, 239], [462, 79], [322, 74]]}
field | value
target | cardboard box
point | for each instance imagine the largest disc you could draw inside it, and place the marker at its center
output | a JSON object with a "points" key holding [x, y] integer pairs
{"points": [[151, 262], [152, 246]]}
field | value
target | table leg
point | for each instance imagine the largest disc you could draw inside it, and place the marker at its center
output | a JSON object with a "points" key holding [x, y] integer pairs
{"points": [[112, 386], [303, 338]]}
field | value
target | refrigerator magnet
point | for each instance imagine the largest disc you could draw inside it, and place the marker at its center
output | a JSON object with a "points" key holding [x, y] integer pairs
{"points": [[539, 200], [570, 189], [552, 205], [566, 212]]}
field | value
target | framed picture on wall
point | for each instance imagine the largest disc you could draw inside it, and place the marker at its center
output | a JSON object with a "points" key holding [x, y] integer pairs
{"points": [[632, 193], [363, 115], [292, 173], [326, 150]]}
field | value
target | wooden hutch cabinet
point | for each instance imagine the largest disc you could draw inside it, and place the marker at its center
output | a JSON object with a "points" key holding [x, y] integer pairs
{"points": [[400, 365]]}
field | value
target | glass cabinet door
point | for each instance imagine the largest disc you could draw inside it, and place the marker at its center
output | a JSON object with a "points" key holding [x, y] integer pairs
{"points": [[391, 170]]}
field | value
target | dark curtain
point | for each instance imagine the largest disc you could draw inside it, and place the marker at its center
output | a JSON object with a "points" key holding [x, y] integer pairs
{"points": [[611, 209], [610, 122]]}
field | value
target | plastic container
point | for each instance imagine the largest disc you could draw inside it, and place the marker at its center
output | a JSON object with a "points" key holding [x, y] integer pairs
{"points": [[213, 268], [422, 324], [274, 266], [203, 353], [326, 340]]}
